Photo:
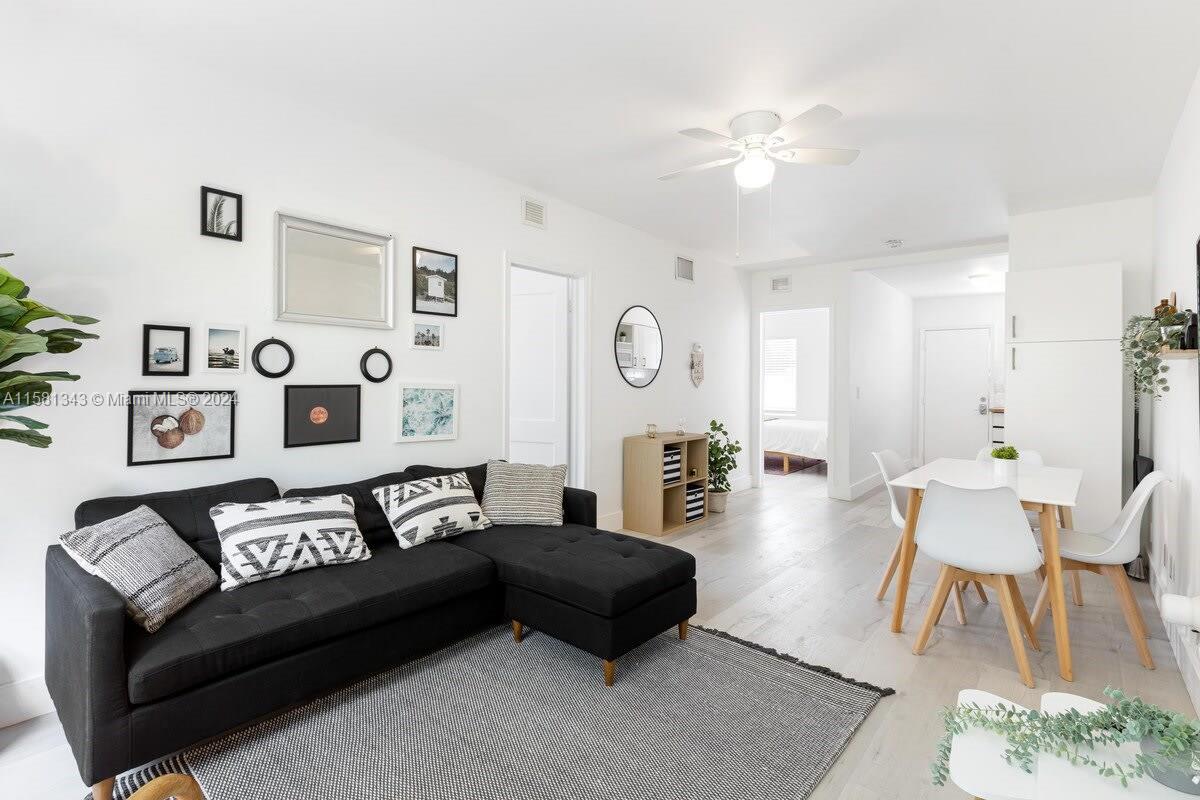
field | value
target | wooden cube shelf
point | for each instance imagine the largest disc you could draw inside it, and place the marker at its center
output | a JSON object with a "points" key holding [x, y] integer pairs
{"points": [[653, 499]]}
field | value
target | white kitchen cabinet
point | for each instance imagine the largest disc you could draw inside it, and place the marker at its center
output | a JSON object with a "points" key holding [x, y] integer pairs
{"points": [[1064, 304]]}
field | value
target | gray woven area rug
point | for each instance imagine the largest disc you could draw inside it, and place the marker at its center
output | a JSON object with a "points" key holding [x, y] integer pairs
{"points": [[709, 717]]}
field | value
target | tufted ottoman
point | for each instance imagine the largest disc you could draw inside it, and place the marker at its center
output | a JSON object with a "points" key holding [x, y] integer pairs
{"points": [[602, 592]]}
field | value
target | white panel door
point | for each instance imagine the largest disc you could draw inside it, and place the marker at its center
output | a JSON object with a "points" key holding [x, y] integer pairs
{"points": [[538, 368], [1064, 400], [957, 382], [1064, 304]]}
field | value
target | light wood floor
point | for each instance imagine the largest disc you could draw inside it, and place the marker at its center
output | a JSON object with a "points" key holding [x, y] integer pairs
{"points": [[789, 568]]}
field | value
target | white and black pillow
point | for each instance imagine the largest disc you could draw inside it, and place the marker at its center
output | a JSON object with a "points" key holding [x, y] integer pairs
{"points": [[143, 558], [269, 539], [524, 494], [431, 508]]}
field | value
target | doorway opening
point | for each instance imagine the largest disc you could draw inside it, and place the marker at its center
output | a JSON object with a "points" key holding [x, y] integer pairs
{"points": [[544, 381], [794, 396]]}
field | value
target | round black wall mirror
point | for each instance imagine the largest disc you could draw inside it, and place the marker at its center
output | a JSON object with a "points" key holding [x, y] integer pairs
{"points": [[638, 346], [376, 365], [273, 358]]}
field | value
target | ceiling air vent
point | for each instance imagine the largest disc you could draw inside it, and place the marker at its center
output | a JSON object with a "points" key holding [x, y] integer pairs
{"points": [[781, 283], [685, 270], [533, 212]]}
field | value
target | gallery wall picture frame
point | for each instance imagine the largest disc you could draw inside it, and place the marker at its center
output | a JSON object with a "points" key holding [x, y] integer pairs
{"points": [[263, 348], [166, 351], [220, 214], [224, 348], [368, 365], [175, 426], [316, 414], [434, 282], [427, 412], [427, 335]]}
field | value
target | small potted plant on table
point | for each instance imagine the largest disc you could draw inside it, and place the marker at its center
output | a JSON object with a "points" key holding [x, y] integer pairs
{"points": [[722, 459], [1004, 461]]}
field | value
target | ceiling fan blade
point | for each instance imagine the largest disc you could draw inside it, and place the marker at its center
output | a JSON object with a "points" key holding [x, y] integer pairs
{"points": [[831, 156], [720, 162], [815, 117], [712, 137]]}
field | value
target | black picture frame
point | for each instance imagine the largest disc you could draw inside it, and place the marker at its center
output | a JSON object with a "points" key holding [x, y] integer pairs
{"points": [[426, 310], [301, 428], [365, 360], [193, 398], [617, 357], [187, 350], [205, 191], [263, 345]]}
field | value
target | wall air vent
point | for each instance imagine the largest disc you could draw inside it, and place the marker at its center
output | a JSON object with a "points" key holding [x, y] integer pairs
{"points": [[685, 269], [533, 212], [781, 283]]}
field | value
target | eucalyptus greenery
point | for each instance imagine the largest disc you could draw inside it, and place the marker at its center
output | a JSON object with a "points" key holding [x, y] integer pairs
{"points": [[1006, 453], [20, 389], [1141, 347], [721, 456], [1072, 735]]}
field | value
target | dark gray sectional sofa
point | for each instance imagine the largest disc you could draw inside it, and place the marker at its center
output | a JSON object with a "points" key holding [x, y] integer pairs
{"points": [[126, 697]]}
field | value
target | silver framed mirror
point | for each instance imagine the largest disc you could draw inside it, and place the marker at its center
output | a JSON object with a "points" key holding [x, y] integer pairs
{"points": [[638, 346], [331, 274]]}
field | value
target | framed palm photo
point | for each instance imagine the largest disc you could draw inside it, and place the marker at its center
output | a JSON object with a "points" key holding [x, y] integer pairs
{"points": [[427, 335], [220, 214]]}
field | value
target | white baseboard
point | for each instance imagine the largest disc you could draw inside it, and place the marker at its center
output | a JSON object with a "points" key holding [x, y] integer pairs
{"points": [[22, 700], [859, 488], [613, 521], [740, 484]]}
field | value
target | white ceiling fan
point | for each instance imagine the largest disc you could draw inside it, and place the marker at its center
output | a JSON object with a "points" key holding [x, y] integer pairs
{"points": [[758, 140]]}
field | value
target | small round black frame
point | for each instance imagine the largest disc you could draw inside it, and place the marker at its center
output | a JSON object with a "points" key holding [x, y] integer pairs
{"points": [[264, 344], [366, 357]]}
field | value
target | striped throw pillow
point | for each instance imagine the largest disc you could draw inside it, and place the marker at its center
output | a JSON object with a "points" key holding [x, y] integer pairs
{"points": [[431, 508], [269, 539], [524, 494], [143, 558]]}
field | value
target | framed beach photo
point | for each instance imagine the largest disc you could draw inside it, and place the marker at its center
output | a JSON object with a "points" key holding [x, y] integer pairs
{"points": [[428, 412], [195, 425], [220, 214], [323, 414], [434, 283], [428, 335], [225, 348], [165, 350]]}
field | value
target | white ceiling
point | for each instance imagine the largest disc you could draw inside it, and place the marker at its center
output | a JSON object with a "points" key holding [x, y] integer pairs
{"points": [[947, 278], [965, 111]]}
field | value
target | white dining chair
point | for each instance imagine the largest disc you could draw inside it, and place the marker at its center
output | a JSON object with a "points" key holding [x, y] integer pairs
{"points": [[891, 465], [979, 535], [1106, 553]]}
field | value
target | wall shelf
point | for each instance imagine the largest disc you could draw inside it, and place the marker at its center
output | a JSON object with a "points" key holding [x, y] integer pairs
{"points": [[1176, 354]]}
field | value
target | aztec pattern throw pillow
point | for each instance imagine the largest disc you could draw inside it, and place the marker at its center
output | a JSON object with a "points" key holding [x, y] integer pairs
{"points": [[265, 540], [431, 508], [143, 558], [524, 494]]}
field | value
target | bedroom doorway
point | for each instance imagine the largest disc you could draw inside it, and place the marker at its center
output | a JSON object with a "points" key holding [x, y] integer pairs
{"points": [[794, 396]]}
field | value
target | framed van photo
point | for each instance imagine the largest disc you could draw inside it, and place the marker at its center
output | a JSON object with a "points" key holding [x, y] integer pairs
{"points": [[220, 214], [428, 412], [321, 414], [166, 350], [434, 282], [194, 425]]}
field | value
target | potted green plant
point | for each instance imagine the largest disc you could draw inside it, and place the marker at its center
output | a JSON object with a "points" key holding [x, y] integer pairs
{"points": [[1004, 462], [1142, 344], [1169, 742], [722, 459]]}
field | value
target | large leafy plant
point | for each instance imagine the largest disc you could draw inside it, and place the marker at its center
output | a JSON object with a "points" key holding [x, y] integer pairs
{"points": [[722, 452], [20, 389], [1141, 348]]}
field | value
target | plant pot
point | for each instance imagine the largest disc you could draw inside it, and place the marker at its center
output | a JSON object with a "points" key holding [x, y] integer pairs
{"points": [[717, 500], [1176, 774], [1005, 470]]}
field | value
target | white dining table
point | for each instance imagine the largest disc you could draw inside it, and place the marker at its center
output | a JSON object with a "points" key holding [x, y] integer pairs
{"points": [[1044, 490]]}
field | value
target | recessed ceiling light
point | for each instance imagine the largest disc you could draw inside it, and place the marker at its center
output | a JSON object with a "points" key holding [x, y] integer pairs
{"points": [[893, 243]]}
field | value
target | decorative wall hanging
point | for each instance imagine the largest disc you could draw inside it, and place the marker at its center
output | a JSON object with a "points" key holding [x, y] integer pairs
{"points": [[434, 282], [166, 350], [321, 414], [180, 426], [428, 412], [220, 214], [330, 274], [271, 353], [225, 346], [428, 335], [697, 365], [375, 365]]}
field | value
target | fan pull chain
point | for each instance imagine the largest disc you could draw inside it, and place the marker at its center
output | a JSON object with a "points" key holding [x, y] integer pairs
{"points": [[737, 191]]}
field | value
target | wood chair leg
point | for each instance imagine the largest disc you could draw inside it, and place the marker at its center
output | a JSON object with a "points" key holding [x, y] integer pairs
{"points": [[180, 787], [1013, 624], [1133, 615], [1076, 588], [683, 629], [960, 611], [1042, 604], [610, 672], [890, 570], [517, 633], [940, 592], [104, 789], [981, 592], [1022, 613]]}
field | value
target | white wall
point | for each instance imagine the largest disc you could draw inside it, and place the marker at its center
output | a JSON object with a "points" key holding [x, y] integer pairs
{"points": [[1175, 556], [103, 157], [810, 329]]}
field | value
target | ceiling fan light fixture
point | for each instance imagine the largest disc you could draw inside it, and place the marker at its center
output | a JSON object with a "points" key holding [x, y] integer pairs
{"points": [[755, 170]]}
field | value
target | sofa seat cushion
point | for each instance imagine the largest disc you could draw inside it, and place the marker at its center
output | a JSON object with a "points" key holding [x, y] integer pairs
{"points": [[223, 633], [598, 571]]}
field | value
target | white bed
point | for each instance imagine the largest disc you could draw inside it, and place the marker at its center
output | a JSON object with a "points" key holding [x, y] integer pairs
{"points": [[791, 437]]}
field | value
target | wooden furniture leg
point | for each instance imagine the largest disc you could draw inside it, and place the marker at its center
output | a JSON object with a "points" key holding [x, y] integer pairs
{"points": [[104, 789], [517, 636], [1022, 613], [1042, 604], [1054, 583], [683, 628], [960, 611], [610, 672], [180, 787], [908, 553], [982, 593], [890, 570], [940, 592], [1133, 615], [787, 464], [1013, 624], [1067, 515]]}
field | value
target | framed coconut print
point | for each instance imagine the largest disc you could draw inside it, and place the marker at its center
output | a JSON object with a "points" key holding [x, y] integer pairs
{"points": [[180, 426], [165, 350], [220, 214], [434, 283], [321, 414], [428, 412]]}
